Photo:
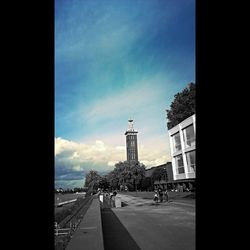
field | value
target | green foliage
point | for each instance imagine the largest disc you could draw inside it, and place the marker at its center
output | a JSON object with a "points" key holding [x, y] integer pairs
{"points": [[62, 214], [182, 107], [127, 173], [103, 182], [130, 186], [92, 182], [92, 178]]}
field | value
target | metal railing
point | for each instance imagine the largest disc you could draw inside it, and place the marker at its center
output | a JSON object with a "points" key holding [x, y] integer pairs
{"points": [[65, 229], [75, 213]]}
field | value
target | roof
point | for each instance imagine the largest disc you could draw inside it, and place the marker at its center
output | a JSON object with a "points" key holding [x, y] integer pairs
{"points": [[168, 166]]}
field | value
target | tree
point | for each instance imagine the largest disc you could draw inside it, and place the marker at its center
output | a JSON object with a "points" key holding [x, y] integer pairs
{"points": [[92, 181], [113, 179], [146, 183], [127, 173], [182, 107], [103, 183], [138, 171]]}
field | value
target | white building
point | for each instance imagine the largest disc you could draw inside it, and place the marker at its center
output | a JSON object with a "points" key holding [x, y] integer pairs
{"points": [[182, 145]]}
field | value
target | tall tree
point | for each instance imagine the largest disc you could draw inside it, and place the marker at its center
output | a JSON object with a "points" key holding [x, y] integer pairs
{"points": [[127, 173], [138, 174], [182, 107], [92, 178]]}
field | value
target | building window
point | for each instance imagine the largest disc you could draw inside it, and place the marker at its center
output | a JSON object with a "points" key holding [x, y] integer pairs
{"points": [[179, 164], [177, 142], [191, 161], [189, 138], [133, 156], [132, 143]]}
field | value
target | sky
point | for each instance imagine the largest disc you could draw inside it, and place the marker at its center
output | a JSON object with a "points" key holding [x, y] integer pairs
{"points": [[117, 60]]}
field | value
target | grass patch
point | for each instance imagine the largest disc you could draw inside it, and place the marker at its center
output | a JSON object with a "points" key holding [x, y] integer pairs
{"points": [[62, 214], [71, 217]]}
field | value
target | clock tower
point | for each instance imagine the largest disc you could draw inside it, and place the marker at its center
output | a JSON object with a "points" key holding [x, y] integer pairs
{"points": [[131, 143]]}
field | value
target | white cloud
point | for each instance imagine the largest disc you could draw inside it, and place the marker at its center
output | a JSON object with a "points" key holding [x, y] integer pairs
{"points": [[102, 156], [77, 168], [153, 155], [62, 145], [76, 154], [122, 148], [112, 163], [73, 160]]}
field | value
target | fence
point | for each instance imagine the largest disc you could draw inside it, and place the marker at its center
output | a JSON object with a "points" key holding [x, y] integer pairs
{"points": [[65, 229]]}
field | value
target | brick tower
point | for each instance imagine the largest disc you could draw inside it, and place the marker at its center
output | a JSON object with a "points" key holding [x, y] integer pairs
{"points": [[131, 143]]}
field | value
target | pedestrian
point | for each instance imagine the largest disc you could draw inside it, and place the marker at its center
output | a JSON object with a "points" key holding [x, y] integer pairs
{"points": [[156, 197], [160, 195], [166, 195]]}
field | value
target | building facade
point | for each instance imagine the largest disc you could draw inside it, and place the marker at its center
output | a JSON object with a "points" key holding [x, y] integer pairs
{"points": [[131, 143], [182, 145], [161, 176]]}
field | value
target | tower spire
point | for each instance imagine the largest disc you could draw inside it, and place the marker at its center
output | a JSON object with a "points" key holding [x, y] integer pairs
{"points": [[130, 125]]}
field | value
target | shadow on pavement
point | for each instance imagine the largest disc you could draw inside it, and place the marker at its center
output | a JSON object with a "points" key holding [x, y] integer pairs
{"points": [[115, 235]]}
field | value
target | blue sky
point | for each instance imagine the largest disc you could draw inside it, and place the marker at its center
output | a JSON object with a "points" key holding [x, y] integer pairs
{"points": [[115, 60]]}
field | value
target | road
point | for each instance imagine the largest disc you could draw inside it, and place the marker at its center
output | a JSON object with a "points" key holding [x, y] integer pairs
{"points": [[168, 226]]}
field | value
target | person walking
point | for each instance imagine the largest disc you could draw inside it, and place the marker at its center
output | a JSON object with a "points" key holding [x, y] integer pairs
{"points": [[166, 195], [160, 194], [156, 197]]}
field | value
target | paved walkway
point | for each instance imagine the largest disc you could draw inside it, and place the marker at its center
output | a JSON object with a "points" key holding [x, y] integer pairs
{"points": [[89, 235], [115, 235], [168, 225]]}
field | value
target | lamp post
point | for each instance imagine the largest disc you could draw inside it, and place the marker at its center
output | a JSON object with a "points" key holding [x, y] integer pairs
{"points": [[136, 174], [165, 176]]}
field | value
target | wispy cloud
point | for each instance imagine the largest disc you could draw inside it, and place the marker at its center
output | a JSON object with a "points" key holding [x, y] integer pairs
{"points": [[129, 101], [154, 150], [116, 60]]}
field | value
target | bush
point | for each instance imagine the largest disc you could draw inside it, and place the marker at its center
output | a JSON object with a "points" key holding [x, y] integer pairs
{"points": [[130, 187]]}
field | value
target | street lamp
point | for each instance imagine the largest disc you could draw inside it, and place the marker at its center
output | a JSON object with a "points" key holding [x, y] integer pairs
{"points": [[136, 174], [165, 174]]}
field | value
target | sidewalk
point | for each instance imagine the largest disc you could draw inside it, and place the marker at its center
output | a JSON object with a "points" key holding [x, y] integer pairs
{"points": [[168, 225], [89, 235], [138, 201]]}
